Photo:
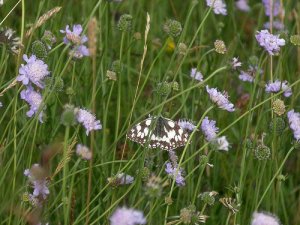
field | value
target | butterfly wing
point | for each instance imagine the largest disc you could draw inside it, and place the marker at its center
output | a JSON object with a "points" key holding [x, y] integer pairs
{"points": [[140, 132]]}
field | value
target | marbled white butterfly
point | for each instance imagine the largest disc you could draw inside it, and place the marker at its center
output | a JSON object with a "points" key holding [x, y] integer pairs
{"points": [[159, 132]]}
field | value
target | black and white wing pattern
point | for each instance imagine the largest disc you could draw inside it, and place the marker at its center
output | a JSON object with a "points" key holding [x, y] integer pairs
{"points": [[158, 132]]}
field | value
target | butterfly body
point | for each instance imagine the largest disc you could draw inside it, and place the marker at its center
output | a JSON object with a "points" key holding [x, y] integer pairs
{"points": [[158, 132]]}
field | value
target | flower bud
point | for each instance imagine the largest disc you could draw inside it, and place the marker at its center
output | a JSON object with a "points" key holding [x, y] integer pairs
{"points": [[125, 23], [68, 117]]}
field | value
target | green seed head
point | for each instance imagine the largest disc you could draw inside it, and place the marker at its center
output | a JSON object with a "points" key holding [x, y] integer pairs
{"points": [[125, 23], [262, 152], [277, 125], [39, 49], [173, 28]]}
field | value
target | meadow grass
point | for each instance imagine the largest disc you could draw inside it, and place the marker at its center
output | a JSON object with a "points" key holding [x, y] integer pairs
{"points": [[142, 58]]}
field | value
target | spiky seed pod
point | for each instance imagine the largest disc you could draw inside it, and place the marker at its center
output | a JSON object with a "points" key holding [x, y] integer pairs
{"points": [[262, 152], [39, 49], [137, 36], [278, 107], [295, 39], [172, 28], [208, 197], [144, 173], [125, 23], [182, 49], [186, 215], [70, 91], [277, 125], [111, 75], [249, 144], [220, 47], [175, 86], [168, 200], [49, 39], [68, 117], [163, 88]]}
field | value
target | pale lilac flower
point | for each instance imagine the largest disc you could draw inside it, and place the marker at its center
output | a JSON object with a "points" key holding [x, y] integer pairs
{"points": [[242, 5], [221, 99], [186, 125], [250, 74], [294, 121], [197, 75], [34, 71], [77, 40], [219, 6], [39, 183], [271, 43], [222, 143], [121, 179], [277, 85], [175, 173], [278, 25], [34, 99], [209, 129], [235, 63], [88, 120], [127, 216], [262, 218], [83, 151], [268, 7]]}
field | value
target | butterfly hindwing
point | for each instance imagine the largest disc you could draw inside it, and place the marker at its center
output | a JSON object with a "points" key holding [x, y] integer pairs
{"points": [[165, 133]]}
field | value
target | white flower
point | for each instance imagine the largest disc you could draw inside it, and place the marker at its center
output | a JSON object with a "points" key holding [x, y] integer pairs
{"points": [[222, 143], [260, 218], [83, 151], [197, 75], [125, 216]]}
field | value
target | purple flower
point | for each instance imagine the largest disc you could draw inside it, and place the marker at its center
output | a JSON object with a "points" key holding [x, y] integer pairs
{"points": [[38, 181], [276, 24], [218, 6], [175, 173], [77, 40], [271, 43], [221, 99], [242, 5], [88, 120], [186, 125], [34, 99], [277, 86], [83, 151], [250, 74], [34, 71], [235, 63], [197, 75], [209, 129], [294, 121], [268, 6], [261, 218], [126, 216]]}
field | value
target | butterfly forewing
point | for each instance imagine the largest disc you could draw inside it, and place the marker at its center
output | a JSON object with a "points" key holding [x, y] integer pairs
{"points": [[158, 132]]}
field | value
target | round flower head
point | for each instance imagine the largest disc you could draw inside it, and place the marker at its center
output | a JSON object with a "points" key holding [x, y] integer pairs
{"points": [[74, 37], [197, 75], [260, 218], [294, 121], [235, 63], [222, 143], [88, 120], [277, 85], [268, 6], [242, 5], [125, 216], [219, 7], [34, 71], [209, 129], [34, 99], [83, 151], [249, 75], [271, 43], [186, 125], [221, 99], [175, 173]]}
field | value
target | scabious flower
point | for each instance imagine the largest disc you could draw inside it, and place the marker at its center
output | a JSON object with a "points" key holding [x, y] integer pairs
{"points": [[250, 74], [83, 151], [9, 38], [127, 216], [175, 173], [294, 121], [38, 181], [277, 85], [278, 25], [271, 43], [242, 5], [88, 120], [120, 179], [34, 99], [268, 7], [186, 125], [34, 71], [77, 40], [221, 99], [261, 218], [222, 143], [209, 129], [197, 75], [235, 63], [219, 7]]}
